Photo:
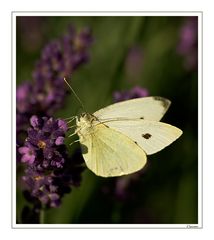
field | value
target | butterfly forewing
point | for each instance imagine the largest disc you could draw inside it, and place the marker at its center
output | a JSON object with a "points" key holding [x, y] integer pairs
{"points": [[148, 108], [151, 136]]}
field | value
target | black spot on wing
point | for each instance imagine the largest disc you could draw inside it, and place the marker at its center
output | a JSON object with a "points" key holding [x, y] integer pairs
{"points": [[146, 135], [141, 117]]}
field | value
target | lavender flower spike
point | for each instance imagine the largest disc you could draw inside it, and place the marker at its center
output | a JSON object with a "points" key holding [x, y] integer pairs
{"points": [[44, 145], [47, 92], [49, 172], [135, 92]]}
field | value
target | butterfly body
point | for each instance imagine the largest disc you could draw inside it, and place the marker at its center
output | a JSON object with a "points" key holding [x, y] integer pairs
{"points": [[85, 125]]}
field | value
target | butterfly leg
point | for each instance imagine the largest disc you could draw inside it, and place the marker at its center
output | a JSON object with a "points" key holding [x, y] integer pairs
{"points": [[69, 118], [72, 134], [70, 127], [74, 142]]}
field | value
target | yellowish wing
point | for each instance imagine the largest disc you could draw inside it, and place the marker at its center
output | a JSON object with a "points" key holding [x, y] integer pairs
{"points": [[148, 108], [151, 136], [109, 153]]}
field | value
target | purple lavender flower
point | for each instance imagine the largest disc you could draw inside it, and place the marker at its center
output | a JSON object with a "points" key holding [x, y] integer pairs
{"points": [[49, 187], [58, 60], [49, 172], [47, 92], [28, 154], [75, 47], [46, 188], [134, 63], [188, 42], [135, 92], [44, 147], [41, 187], [59, 140], [23, 98]]}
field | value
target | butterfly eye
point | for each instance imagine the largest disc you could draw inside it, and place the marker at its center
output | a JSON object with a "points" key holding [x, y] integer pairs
{"points": [[83, 114]]}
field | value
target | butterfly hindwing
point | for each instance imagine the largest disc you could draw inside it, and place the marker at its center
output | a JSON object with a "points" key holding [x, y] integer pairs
{"points": [[110, 153]]}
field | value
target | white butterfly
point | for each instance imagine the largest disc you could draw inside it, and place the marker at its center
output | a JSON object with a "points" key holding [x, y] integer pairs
{"points": [[116, 139]]}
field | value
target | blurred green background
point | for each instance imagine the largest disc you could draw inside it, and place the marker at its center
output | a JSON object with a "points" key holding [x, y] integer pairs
{"points": [[166, 191]]}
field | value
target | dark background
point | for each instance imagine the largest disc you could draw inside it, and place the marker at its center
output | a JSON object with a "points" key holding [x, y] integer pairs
{"points": [[166, 190]]}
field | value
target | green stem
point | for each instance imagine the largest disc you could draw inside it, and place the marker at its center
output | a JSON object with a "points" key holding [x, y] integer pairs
{"points": [[42, 216]]}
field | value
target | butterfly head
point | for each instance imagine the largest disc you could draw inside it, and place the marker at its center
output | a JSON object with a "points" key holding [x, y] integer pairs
{"points": [[84, 122], [86, 117]]}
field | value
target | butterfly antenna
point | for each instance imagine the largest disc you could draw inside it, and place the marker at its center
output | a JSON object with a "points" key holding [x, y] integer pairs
{"points": [[75, 94]]}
